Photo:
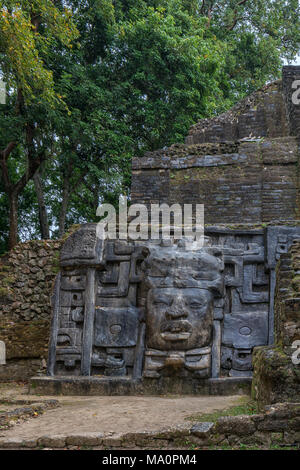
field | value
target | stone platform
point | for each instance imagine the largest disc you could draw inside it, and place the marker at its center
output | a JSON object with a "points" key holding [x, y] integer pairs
{"points": [[107, 386]]}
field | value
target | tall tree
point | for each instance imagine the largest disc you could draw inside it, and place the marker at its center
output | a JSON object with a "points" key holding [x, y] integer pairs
{"points": [[27, 31], [139, 74]]}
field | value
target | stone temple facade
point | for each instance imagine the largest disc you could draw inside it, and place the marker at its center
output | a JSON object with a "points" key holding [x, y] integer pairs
{"points": [[137, 316]]}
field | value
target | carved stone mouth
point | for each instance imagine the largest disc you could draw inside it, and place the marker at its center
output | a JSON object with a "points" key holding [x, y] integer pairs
{"points": [[175, 336], [176, 330]]}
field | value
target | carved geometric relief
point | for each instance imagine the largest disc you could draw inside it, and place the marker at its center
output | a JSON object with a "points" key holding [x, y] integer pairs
{"points": [[71, 298], [69, 340], [116, 327], [244, 331], [115, 283], [82, 248], [237, 359], [124, 319], [233, 277], [248, 293], [242, 359]]}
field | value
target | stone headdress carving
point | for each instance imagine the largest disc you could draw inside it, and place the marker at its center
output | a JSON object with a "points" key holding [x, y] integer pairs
{"points": [[174, 266]]}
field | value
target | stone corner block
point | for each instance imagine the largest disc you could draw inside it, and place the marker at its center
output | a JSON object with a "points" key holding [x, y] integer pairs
{"points": [[202, 429]]}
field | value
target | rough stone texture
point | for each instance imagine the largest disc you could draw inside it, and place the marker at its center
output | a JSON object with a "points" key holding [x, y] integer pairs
{"points": [[202, 429], [116, 386], [262, 114], [22, 369], [239, 425], [56, 442], [290, 74], [249, 182], [85, 439], [276, 378], [27, 274]]}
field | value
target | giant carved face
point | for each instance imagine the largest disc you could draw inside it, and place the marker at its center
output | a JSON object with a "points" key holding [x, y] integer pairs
{"points": [[180, 318], [182, 286]]}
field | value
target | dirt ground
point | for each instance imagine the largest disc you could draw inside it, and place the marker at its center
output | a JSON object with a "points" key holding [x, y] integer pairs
{"points": [[110, 415]]}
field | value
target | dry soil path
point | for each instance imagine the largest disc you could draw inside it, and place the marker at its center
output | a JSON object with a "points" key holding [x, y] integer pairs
{"points": [[110, 415]]}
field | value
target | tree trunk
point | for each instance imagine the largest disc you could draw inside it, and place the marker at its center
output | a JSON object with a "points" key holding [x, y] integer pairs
{"points": [[64, 205], [13, 220], [43, 216]]}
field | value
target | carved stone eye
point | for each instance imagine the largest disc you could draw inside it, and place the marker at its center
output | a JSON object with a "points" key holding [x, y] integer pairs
{"points": [[195, 304], [161, 302], [245, 331], [115, 329]]}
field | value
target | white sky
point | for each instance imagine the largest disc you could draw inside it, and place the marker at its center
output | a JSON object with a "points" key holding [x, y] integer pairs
{"points": [[296, 62]]}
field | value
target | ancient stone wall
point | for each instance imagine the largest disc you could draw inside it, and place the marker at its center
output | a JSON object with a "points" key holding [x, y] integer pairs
{"points": [[26, 280], [238, 182], [262, 114], [287, 299], [276, 378], [291, 74], [242, 165]]}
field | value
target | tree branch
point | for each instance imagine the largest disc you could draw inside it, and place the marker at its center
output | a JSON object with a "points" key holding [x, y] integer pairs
{"points": [[7, 151], [236, 18]]}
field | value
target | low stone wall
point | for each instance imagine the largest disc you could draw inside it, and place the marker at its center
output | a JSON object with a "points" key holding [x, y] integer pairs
{"points": [[114, 386], [279, 425], [27, 274], [276, 378]]}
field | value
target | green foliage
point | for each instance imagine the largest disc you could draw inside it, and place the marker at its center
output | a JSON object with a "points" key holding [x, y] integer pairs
{"points": [[23, 48], [259, 34], [102, 81]]}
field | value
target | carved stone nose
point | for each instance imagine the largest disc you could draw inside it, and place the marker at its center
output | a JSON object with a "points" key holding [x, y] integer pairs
{"points": [[176, 313], [176, 310]]}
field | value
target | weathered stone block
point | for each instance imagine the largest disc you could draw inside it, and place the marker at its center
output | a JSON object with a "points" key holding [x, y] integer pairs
{"points": [[53, 441], [85, 439], [235, 425], [203, 430], [272, 425]]}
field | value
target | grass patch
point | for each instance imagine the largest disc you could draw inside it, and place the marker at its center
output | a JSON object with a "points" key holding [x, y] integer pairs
{"points": [[246, 407]]}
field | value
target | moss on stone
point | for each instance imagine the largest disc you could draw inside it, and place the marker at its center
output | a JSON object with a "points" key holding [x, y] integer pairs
{"points": [[6, 281], [4, 268], [4, 291], [71, 230]]}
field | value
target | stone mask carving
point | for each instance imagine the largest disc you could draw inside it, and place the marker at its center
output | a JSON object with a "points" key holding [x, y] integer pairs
{"points": [[182, 286], [179, 318]]}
